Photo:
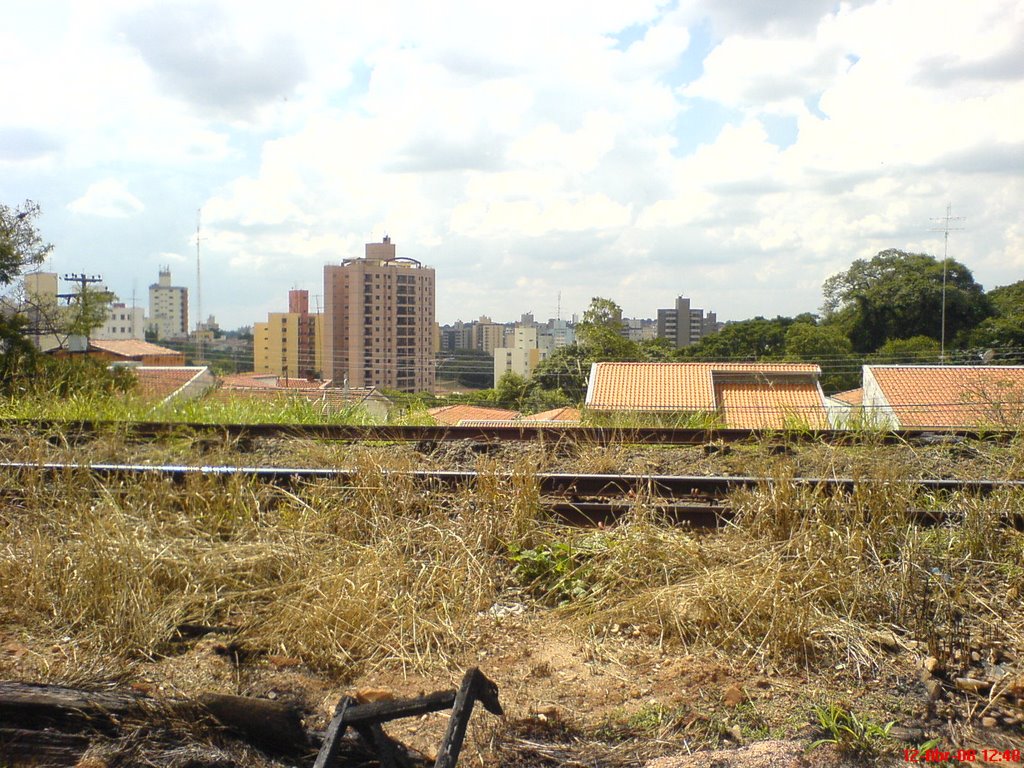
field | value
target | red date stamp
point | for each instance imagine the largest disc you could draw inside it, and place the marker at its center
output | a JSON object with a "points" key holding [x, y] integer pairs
{"points": [[983, 756]]}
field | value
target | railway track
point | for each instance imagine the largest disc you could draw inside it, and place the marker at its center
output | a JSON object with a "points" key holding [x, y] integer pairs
{"points": [[699, 501], [528, 431]]}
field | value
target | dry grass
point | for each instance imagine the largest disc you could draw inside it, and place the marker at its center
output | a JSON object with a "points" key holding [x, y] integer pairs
{"points": [[381, 570], [340, 576]]}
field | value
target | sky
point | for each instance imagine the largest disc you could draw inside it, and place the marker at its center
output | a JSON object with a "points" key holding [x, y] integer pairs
{"points": [[535, 154]]}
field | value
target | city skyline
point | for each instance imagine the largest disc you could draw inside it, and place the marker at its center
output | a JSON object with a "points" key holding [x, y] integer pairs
{"points": [[729, 152]]}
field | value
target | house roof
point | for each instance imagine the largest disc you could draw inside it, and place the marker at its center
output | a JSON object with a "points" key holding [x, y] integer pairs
{"points": [[450, 415], [850, 396], [160, 382], [239, 387], [952, 396], [565, 413], [516, 423], [131, 347], [751, 395], [771, 405]]}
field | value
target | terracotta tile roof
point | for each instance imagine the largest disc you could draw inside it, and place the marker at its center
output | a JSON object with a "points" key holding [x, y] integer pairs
{"points": [[850, 396], [249, 380], [156, 383], [565, 413], [131, 347], [771, 405], [948, 396], [302, 383], [515, 423], [683, 386], [451, 415]]}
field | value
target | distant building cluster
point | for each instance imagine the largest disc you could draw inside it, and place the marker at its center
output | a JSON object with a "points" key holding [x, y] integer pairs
{"points": [[376, 328]]}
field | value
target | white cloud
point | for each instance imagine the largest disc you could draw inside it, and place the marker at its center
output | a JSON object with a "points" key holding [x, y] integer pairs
{"points": [[525, 143], [109, 199]]}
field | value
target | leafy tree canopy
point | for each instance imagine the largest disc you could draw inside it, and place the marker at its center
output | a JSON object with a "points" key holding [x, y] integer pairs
{"points": [[565, 371], [20, 244], [898, 295], [1008, 299], [917, 350], [829, 348], [743, 340], [600, 332]]}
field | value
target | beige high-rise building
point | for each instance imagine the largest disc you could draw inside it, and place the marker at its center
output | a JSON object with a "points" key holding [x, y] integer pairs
{"points": [[290, 344], [168, 308], [379, 321]]}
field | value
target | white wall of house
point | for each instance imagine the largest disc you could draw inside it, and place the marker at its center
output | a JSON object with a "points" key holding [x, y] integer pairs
{"points": [[876, 408]]}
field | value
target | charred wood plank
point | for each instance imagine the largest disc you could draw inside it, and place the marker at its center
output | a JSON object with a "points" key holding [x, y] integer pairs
{"points": [[332, 738], [475, 686]]}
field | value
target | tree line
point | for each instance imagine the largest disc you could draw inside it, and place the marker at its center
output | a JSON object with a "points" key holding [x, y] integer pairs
{"points": [[888, 309]]}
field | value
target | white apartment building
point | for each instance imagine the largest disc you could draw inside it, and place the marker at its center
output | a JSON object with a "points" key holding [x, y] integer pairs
{"points": [[522, 357], [123, 322], [168, 308]]}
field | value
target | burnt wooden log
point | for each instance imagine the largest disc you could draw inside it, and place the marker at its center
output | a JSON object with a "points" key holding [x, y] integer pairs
{"points": [[20, 746], [268, 725], [31, 705]]}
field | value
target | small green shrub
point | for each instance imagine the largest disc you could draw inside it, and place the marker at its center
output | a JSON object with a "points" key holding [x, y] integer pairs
{"points": [[555, 571], [852, 734]]}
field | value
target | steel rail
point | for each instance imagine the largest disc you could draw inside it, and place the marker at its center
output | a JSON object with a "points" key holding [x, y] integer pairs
{"points": [[527, 431], [573, 485]]}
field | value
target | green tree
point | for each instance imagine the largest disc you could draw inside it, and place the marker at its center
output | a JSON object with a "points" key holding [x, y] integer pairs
{"points": [[917, 350], [513, 391], [21, 247], [565, 371], [754, 339], [829, 348], [20, 243], [1004, 332], [87, 311], [898, 295], [601, 332]]}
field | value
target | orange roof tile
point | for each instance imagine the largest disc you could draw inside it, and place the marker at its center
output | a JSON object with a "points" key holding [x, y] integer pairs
{"points": [[159, 383], [515, 423], [850, 396], [450, 415], [771, 405], [249, 380], [131, 347], [565, 413], [676, 386], [950, 396]]}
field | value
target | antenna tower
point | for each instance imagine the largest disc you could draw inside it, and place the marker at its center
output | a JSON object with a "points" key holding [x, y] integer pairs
{"points": [[199, 293], [945, 229]]}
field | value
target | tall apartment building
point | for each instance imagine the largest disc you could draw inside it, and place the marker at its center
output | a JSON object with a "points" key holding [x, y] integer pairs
{"points": [[379, 321], [290, 344], [684, 325], [168, 308]]}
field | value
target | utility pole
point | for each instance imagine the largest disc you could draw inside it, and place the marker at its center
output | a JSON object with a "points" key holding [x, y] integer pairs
{"points": [[83, 281], [945, 229]]}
